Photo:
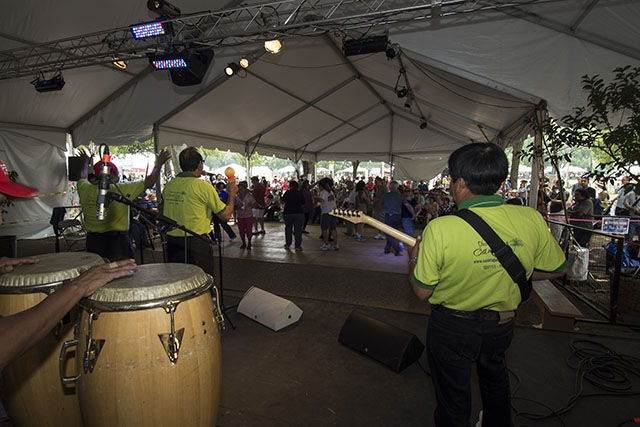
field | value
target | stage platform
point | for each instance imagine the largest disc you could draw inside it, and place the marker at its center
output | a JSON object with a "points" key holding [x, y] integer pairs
{"points": [[302, 376]]}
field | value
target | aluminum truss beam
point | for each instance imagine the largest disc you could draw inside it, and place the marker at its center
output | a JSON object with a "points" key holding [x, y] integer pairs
{"points": [[232, 27]]}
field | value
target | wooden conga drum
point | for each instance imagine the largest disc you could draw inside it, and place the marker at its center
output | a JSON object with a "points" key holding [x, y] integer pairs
{"points": [[149, 350], [32, 392]]}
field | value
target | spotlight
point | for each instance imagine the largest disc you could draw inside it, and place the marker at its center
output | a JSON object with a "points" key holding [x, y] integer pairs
{"points": [[151, 29], [402, 92], [53, 84], [231, 69], [244, 63], [163, 8], [273, 46], [391, 53], [423, 123], [120, 63], [367, 45], [409, 100]]}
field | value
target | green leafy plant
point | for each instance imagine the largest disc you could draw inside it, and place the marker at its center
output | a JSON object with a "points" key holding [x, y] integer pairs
{"points": [[609, 125]]}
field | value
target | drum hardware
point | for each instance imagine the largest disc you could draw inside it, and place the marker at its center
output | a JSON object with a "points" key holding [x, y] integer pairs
{"points": [[217, 311], [172, 341], [94, 347], [63, 353]]}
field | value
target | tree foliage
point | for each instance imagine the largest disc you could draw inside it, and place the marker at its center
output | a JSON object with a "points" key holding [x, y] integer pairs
{"points": [[609, 125]]}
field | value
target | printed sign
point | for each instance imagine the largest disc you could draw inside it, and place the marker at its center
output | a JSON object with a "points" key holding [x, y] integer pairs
{"points": [[615, 225]]}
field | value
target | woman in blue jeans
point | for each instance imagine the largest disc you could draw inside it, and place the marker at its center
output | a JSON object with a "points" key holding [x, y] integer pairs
{"points": [[293, 215]]}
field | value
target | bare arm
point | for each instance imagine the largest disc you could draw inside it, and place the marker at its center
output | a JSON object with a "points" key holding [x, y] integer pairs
{"points": [[22, 330], [545, 275], [161, 159], [420, 292], [86, 164]]}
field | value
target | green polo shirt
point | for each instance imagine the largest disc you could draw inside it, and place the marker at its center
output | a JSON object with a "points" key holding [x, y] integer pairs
{"points": [[190, 202], [459, 266], [117, 218]]}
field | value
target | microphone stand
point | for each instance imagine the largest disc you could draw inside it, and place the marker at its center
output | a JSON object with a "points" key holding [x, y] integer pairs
{"points": [[165, 224]]}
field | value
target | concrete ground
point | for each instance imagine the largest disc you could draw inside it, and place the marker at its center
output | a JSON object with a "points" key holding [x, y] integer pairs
{"points": [[302, 376]]}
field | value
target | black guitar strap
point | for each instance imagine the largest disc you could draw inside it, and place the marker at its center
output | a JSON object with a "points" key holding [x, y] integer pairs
{"points": [[502, 251]]}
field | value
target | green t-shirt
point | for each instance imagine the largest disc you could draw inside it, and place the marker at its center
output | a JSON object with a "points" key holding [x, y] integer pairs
{"points": [[459, 266], [190, 202], [117, 218]]}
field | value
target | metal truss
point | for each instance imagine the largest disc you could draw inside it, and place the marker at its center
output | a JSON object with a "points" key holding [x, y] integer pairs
{"points": [[238, 26]]}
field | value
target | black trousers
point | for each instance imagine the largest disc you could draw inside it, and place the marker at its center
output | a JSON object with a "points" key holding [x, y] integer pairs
{"points": [[199, 252], [112, 245], [453, 345]]}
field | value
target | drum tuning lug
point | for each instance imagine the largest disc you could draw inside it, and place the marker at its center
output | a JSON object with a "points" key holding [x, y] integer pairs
{"points": [[91, 355], [172, 343]]}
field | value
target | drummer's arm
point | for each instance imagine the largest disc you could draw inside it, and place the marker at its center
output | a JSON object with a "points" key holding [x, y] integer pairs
{"points": [[22, 330]]}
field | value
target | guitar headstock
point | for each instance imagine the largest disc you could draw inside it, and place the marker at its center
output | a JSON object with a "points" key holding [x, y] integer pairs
{"points": [[352, 215]]}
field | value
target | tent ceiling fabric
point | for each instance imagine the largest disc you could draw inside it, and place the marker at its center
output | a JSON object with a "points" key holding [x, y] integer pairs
{"points": [[468, 71]]}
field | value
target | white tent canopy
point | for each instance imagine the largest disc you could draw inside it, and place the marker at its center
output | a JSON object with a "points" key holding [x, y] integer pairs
{"points": [[474, 76]]}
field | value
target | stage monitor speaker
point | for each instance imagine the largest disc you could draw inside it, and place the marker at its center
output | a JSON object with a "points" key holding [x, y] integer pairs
{"points": [[381, 341], [197, 65], [268, 309], [75, 168]]}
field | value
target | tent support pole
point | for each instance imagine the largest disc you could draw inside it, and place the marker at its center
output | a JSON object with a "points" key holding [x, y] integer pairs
{"points": [[156, 149], [390, 147], [537, 165]]}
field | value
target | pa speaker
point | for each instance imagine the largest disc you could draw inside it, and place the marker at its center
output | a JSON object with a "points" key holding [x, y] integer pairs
{"points": [[75, 168], [268, 309], [381, 341], [197, 65]]}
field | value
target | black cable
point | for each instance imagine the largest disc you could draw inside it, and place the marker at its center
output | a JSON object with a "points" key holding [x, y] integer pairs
{"points": [[596, 364]]}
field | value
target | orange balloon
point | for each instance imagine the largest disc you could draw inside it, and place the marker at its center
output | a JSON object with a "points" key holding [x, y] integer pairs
{"points": [[229, 172]]}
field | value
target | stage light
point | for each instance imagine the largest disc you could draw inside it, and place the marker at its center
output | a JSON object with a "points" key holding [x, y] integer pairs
{"points": [[120, 63], [244, 63], [367, 45], [391, 52], [163, 8], [402, 92], [231, 69], [409, 100], [150, 29], [187, 67], [53, 84], [273, 46], [423, 123], [168, 62]]}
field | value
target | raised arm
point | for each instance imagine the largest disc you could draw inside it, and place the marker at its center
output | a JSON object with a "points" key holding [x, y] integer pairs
{"points": [[161, 159]]}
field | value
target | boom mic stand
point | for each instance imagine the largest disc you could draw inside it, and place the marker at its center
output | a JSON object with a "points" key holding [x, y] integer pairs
{"points": [[165, 224]]}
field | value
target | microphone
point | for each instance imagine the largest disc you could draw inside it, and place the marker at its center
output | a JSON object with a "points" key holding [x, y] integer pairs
{"points": [[103, 185]]}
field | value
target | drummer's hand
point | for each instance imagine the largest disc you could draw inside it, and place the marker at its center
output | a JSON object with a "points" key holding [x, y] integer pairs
{"points": [[96, 277], [7, 264], [162, 158]]}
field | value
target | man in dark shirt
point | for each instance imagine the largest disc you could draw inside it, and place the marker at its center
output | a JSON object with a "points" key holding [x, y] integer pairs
{"points": [[393, 202]]}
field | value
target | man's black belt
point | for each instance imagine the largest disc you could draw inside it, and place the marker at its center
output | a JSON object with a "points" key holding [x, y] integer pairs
{"points": [[478, 315], [108, 233]]}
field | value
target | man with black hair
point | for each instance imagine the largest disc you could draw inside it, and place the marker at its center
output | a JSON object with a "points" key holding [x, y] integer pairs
{"points": [[473, 298], [191, 201]]}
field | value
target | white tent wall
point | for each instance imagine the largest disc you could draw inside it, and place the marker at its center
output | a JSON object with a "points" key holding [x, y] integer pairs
{"points": [[521, 55], [38, 156]]}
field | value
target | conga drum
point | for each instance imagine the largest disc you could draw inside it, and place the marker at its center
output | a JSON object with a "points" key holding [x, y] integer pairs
{"points": [[149, 350], [32, 392]]}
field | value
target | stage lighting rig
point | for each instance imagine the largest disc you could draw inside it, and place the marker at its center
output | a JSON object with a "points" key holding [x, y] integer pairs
{"points": [[273, 46], [402, 92], [423, 123], [163, 8], [48, 85]]}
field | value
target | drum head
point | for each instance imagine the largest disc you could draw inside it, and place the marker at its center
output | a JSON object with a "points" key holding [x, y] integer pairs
{"points": [[52, 270], [152, 285]]}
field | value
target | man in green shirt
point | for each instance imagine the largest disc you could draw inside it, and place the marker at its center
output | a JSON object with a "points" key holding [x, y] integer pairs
{"points": [[190, 201], [472, 297], [109, 238]]}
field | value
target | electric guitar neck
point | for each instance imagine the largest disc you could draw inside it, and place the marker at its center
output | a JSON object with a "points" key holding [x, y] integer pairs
{"points": [[358, 217]]}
